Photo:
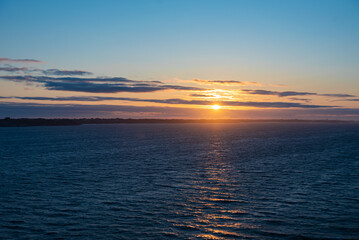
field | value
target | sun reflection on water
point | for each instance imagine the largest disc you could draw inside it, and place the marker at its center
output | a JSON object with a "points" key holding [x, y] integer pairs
{"points": [[212, 207]]}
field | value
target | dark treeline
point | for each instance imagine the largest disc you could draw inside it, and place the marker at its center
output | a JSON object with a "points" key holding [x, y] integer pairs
{"points": [[19, 122]]}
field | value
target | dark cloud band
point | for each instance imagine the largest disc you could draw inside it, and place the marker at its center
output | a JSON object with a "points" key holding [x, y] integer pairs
{"points": [[97, 85]]}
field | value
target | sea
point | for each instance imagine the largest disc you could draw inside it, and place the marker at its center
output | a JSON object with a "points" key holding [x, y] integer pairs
{"points": [[250, 180]]}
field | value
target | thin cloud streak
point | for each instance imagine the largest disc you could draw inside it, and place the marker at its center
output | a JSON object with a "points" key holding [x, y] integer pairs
{"points": [[180, 102], [42, 79], [301, 99], [61, 72], [350, 100], [292, 93], [337, 95], [58, 72], [13, 69], [10, 60], [225, 82], [199, 95]]}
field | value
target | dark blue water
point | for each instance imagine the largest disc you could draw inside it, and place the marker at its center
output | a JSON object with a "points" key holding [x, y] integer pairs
{"points": [[180, 181]]}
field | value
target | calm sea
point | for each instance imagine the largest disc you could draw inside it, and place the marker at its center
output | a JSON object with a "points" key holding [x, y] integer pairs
{"points": [[180, 181]]}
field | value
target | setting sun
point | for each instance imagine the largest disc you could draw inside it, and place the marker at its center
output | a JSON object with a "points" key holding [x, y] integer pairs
{"points": [[216, 107]]}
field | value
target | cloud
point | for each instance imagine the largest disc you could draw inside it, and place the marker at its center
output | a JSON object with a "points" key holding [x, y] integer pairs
{"points": [[97, 85], [234, 103], [43, 79], [110, 88], [10, 60], [61, 72], [58, 72], [181, 102], [225, 82], [300, 99], [65, 72], [198, 95], [292, 93], [337, 95], [350, 99], [98, 88], [276, 93], [13, 69]]}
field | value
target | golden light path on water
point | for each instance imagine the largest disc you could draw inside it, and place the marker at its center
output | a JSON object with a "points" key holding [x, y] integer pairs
{"points": [[212, 198]]}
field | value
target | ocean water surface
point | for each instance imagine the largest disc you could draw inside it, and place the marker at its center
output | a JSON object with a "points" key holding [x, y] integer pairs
{"points": [[180, 181]]}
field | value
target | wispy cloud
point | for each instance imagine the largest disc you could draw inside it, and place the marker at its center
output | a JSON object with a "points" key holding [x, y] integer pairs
{"points": [[301, 99], [276, 93], [13, 69], [179, 101], [225, 82], [292, 93], [198, 95], [49, 72], [10, 60], [97, 85], [350, 99], [42, 79], [62, 72], [337, 95]]}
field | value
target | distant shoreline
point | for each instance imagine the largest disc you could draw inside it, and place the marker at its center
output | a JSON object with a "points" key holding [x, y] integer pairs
{"points": [[24, 122]]}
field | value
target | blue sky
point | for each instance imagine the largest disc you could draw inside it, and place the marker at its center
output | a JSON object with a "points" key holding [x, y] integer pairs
{"points": [[309, 46]]}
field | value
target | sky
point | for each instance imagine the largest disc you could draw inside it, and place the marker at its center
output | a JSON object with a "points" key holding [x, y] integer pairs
{"points": [[259, 59]]}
